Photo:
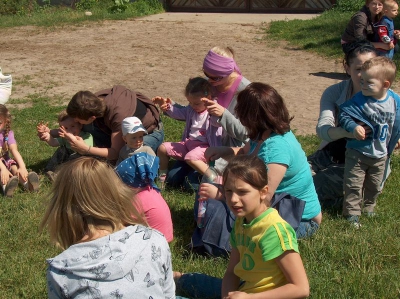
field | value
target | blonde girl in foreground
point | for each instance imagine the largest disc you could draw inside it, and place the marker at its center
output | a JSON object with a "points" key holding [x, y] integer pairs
{"points": [[108, 249], [265, 260]]}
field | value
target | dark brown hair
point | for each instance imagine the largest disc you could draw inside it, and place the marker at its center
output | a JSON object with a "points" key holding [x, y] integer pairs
{"points": [[198, 87], [85, 104], [248, 168], [259, 108]]}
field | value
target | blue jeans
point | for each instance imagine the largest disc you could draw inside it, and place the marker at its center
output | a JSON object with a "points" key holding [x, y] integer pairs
{"points": [[181, 175], [197, 285], [101, 139], [306, 229]]}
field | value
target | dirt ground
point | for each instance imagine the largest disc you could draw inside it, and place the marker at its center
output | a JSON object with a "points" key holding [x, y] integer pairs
{"points": [[157, 57]]}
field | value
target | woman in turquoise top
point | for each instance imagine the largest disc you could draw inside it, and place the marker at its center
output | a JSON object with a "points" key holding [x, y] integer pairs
{"points": [[263, 112]]}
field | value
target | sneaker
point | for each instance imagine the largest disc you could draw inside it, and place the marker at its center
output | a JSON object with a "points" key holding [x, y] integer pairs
{"points": [[162, 178], [354, 220], [11, 186], [370, 214], [33, 181]]}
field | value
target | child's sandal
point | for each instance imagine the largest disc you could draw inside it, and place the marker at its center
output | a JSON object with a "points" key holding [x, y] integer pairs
{"points": [[12, 184], [33, 181]]}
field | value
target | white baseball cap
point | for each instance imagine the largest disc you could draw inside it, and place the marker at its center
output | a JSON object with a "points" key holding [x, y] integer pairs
{"points": [[131, 125]]}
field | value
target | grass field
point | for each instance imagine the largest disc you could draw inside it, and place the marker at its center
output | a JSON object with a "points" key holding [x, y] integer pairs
{"points": [[341, 262]]}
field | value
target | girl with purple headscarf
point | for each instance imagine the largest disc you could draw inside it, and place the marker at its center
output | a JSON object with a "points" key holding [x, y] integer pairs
{"points": [[224, 75]]}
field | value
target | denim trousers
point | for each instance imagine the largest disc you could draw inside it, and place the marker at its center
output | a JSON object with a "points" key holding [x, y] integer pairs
{"points": [[199, 286], [306, 229], [181, 175]]}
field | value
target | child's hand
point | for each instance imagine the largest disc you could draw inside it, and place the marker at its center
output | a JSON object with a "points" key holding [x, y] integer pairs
{"points": [[5, 176], [207, 191], [397, 34], [359, 133], [42, 127], [391, 45], [159, 100], [22, 173], [68, 136], [43, 131], [162, 103], [44, 136]]}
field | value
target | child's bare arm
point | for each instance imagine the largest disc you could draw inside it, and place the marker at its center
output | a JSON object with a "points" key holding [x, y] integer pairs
{"points": [[66, 135], [5, 174], [50, 139], [297, 282], [230, 282]]}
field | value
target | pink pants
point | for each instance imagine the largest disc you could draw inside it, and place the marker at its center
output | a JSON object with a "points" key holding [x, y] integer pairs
{"points": [[192, 150]]}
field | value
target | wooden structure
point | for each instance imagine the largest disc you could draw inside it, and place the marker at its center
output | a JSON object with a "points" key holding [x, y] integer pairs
{"points": [[249, 6]]}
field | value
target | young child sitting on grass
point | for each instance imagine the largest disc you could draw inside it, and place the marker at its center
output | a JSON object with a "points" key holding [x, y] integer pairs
{"points": [[199, 133], [132, 133], [377, 108], [64, 153], [265, 260], [138, 172], [13, 170]]}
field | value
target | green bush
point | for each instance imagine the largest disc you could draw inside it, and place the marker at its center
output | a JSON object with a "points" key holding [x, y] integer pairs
{"points": [[17, 7], [348, 5], [86, 4], [119, 6]]}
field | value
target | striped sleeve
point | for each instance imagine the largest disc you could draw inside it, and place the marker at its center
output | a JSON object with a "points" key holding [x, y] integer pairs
{"points": [[279, 238]]}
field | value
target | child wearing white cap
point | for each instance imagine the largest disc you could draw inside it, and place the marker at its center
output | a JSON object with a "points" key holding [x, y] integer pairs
{"points": [[132, 133]]}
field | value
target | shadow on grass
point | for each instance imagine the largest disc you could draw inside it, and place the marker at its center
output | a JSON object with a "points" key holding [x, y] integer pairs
{"points": [[331, 75]]}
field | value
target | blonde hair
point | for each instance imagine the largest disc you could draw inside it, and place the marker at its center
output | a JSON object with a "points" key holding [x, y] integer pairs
{"points": [[387, 4], [4, 113], [87, 194], [385, 68], [226, 52]]}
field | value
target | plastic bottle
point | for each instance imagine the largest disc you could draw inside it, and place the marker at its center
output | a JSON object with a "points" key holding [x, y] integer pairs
{"points": [[211, 177]]}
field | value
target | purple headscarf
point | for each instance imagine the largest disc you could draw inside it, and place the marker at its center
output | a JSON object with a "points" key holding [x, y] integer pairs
{"points": [[218, 65]]}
